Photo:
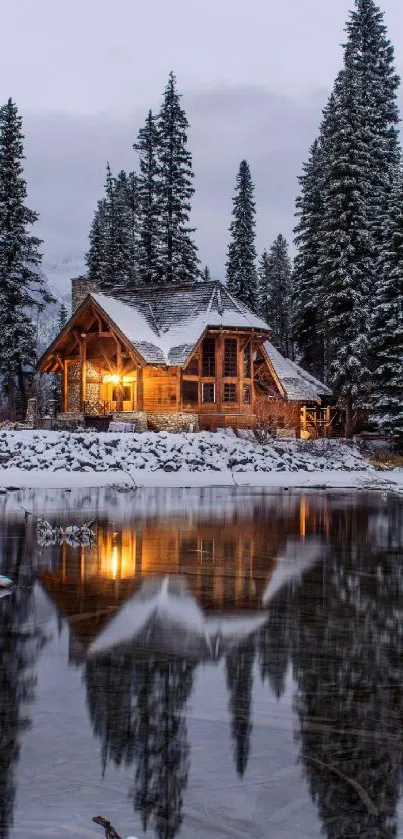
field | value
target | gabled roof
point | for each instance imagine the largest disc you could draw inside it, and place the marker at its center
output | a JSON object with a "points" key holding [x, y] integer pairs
{"points": [[297, 384], [165, 324]]}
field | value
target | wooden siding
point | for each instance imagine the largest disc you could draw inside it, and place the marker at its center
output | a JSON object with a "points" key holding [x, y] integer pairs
{"points": [[160, 389]]}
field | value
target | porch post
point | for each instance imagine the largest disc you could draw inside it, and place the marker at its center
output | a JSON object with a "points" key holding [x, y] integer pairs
{"points": [[140, 390], [64, 378], [119, 389], [83, 371]]}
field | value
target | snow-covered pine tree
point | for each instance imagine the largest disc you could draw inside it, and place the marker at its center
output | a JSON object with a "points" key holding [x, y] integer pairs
{"points": [[62, 317], [178, 261], [371, 58], [112, 273], [307, 327], [206, 275], [149, 222], [125, 209], [22, 286], [275, 293], [346, 251], [56, 387], [387, 328], [96, 254], [241, 262]]}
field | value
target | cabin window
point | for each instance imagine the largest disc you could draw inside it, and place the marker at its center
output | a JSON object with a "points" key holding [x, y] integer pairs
{"points": [[208, 356], [229, 394], [126, 392], [247, 394], [230, 357], [192, 368], [190, 393], [246, 363], [208, 392]]}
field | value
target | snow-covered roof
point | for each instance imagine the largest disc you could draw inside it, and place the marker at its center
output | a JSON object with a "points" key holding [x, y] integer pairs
{"points": [[164, 614], [164, 324], [296, 382]]}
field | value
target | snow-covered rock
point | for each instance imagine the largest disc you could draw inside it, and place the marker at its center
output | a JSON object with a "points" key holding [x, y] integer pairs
{"points": [[50, 451]]}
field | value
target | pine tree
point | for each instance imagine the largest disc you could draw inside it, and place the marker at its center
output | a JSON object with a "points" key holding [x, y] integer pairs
{"points": [[178, 262], [371, 58], [387, 330], [22, 287], [343, 208], [63, 316], [126, 219], [241, 263], [96, 254], [345, 259], [206, 275], [149, 223], [307, 327], [274, 293]]}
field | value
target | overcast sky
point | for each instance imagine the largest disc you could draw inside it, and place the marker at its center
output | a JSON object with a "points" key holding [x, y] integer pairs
{"points": [[254, 74]]}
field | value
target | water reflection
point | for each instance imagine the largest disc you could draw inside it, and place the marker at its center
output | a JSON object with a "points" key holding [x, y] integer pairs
{"points": [[20, 643], [301, 593]]}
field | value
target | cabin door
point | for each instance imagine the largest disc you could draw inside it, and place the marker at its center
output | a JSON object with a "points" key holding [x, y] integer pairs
{"points": [[128, 390]]}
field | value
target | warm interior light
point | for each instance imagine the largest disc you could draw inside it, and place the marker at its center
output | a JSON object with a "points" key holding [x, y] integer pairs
{"points": [[114, 379], [114, 562]]}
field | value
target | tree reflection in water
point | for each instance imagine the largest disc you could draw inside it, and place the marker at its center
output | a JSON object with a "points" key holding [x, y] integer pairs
{"points": [[333, 635], [346, 653], [137, 710], [20, 643]]}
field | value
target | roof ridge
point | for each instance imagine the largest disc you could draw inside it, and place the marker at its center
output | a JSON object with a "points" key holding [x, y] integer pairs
{"points": [[236, 303]]}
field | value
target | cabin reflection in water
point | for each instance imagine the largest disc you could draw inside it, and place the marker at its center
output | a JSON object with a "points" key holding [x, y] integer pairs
{"points": [[227, 567]]}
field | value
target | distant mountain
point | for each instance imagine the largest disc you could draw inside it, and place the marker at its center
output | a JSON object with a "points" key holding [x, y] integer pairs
{"points": [[60, 268]]}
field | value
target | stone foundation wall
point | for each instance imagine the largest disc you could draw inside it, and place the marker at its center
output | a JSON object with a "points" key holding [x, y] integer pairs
{"points": [[173, 422], [138, 417]]}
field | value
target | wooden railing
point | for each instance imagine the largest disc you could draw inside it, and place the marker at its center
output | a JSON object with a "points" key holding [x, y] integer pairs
{"points": [[98, 407]]}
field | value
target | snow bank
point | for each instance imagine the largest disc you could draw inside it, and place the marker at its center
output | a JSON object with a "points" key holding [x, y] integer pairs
{"points": [[50, 459], [102, 452]]}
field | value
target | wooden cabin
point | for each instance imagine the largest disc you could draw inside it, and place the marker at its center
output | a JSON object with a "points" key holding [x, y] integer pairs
{"points": [[177, 357]]}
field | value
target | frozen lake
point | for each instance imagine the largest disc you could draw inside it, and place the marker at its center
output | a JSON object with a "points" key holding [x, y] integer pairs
{"points": [[221, 663]]}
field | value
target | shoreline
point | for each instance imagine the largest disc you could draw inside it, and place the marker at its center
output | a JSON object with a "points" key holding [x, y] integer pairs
{"points": [[365, 480]]}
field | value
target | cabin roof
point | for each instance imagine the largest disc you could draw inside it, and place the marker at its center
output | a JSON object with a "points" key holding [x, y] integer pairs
{"points": [[296, 382], [164, 324]]}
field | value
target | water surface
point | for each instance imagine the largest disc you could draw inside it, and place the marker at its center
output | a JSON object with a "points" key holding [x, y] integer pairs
{"points": [[220, 664]]}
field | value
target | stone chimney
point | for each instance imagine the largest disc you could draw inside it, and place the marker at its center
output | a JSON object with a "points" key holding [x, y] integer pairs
{"points": [[80, 287]]}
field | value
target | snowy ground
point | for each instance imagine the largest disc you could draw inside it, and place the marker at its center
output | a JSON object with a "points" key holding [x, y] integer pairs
{"points": [[59, 459]]}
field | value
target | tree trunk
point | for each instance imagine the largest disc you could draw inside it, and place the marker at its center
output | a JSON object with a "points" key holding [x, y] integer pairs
{"points": [[11, 396], [349, 418]]}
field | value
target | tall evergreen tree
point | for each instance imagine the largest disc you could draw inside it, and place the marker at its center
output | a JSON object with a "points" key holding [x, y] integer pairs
{"points": [[345, 260], [371, 58], [22, 287], [387, 330], [241, 263], [96, 254], [307, 325], [149, 223], [178, 261], [126, 220], [356, 156], [206, 275], [274, 293]]}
